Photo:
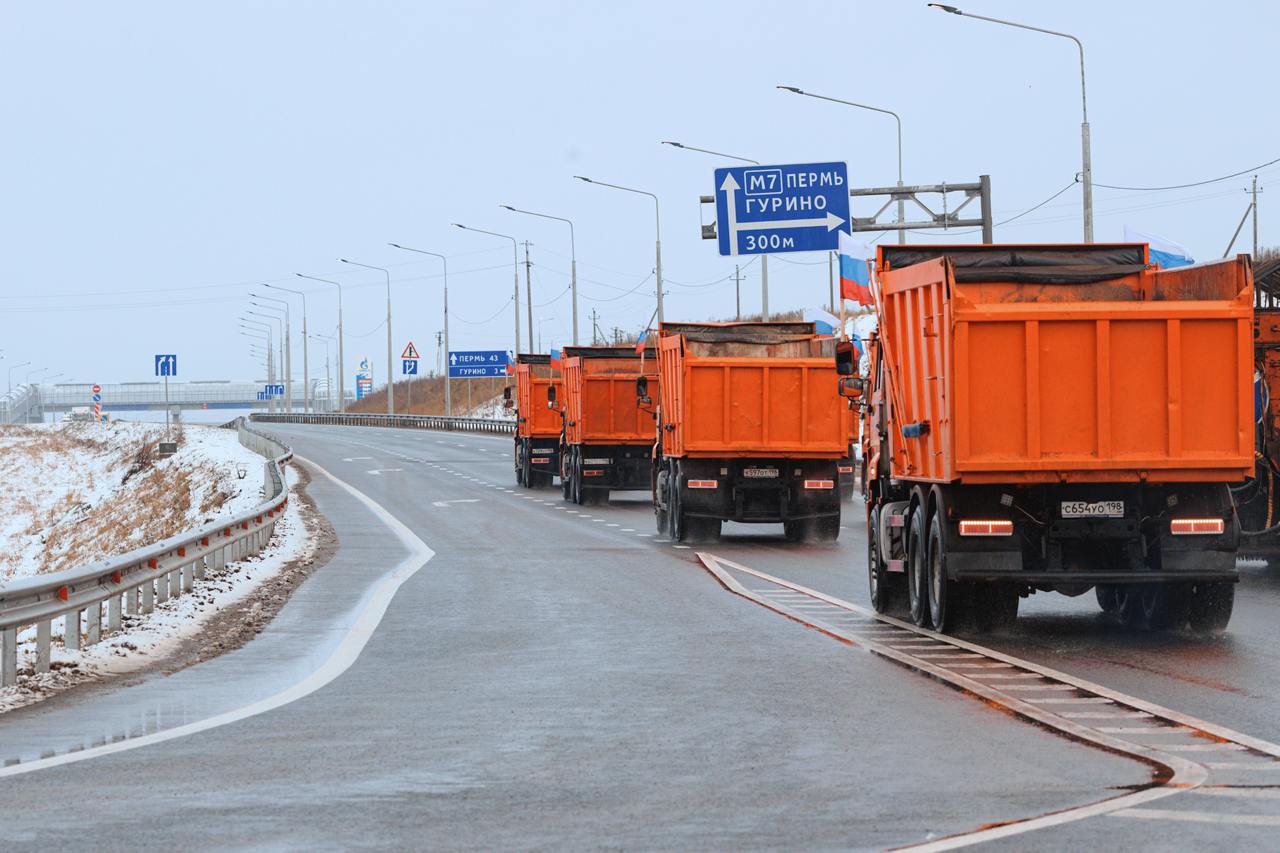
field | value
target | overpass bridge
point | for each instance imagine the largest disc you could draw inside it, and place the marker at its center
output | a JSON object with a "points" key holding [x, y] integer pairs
{"points": [[30, 403]]}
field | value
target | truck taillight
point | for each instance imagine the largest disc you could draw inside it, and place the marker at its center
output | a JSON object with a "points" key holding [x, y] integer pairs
{"points": [[819, 484], [1196, 526], [986, 527], [846, 469], [704, 484]]}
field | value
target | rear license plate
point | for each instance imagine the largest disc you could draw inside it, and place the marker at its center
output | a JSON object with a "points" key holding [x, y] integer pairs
{"points": [[1093, 509], [760, 473]]}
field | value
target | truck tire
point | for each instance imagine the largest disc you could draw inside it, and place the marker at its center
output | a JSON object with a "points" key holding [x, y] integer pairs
{"points": [[943, 593], [995, 606], [566, 473], [880, 583], [1156, 607], [1106, 594], [520, 481], [1210, 606], [677, 522], [662, 495], [917, 597]]}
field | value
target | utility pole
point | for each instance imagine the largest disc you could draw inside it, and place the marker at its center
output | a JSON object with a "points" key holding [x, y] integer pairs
{"points": [[1255, 218], [439, 344], [595, 329], [737, 292], [528, 290], [831, 281]]}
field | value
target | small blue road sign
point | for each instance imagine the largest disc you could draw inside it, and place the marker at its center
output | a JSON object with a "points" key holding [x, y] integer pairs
{"points": [[97, 398], [409, 366], [262, 395], [477, 364], [273, 391], [800, 207], [167, 365]]}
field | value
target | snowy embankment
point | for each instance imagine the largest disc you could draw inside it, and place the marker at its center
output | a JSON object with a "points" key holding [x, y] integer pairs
{"points": [[75, 493], [493, 410]]}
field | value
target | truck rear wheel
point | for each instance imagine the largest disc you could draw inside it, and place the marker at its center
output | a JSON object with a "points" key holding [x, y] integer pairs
{"points": [[1210, 606], [917, 597], [943, 594], [661, 497], [566, 473]]}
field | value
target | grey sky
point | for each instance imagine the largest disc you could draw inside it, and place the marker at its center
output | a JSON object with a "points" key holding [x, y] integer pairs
{"points": [[161, 157]]}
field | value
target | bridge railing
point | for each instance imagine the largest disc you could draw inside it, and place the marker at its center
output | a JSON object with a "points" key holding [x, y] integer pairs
{"points": [[437, 422], [135, 582]]}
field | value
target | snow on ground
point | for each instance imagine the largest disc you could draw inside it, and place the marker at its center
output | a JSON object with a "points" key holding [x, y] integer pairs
{"points": [[46, 464], [78, 492], [493, 409]]}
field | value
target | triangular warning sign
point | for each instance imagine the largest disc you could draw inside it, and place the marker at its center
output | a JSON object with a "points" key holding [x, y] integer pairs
{"points": [[409, 351]]}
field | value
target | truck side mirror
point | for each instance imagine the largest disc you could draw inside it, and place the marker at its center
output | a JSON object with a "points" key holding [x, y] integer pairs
{"points": [[852, 387], [506, 392], [844, 363], [551, 393], [642, 392]]}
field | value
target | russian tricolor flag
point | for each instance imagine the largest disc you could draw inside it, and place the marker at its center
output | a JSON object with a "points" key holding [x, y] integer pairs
{"points": [[855, 270], [824, 322], [1166, 253], [555, 357], [640, 342]]}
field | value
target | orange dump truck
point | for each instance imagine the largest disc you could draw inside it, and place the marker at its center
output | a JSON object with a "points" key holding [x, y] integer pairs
{"points": [[607, 436], [1056, 418], [750, 429], [538, 425]]}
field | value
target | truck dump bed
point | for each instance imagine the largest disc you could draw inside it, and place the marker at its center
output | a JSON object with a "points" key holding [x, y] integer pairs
{"points": [[534, 375], [600, 395], [1072, 363], [750, 390]]}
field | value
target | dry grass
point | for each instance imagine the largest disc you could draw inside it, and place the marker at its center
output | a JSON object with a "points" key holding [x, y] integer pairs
{"points": [[427, 396]]}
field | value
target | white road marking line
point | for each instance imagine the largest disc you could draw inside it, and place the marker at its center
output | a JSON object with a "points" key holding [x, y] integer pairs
{"points": [[965, 656], [1019, 687], [1245, 793], [1200, 747], [627, 530], [1240, 765], [1200, 817], [683, 547], [1104, 715], [1141, 730], [361, 628], [611, 525], [1071, 700]]}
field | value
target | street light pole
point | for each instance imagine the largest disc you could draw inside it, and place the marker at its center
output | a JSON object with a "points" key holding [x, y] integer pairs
{"points": [[13, 368], [306, 361], [573, 260], [448, 397], [328, 382], [657, 218], [391, 379], [1086, 158], [764, 257], [288, 346], [515, 261], [902, 234], [342, 389]]}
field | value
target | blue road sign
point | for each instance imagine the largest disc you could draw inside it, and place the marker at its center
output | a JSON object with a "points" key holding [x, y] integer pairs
{"points": [[477, 364], [800, 207], [262, 395], [166, 365], [272, 391], [97, 398], [410, 366]]}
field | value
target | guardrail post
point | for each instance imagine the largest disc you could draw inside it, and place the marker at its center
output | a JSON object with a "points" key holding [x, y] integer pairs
{"points": [[162, 589], [71, 630], [188, 576], [131, 601], [8, 657], [148, 597], [94, 623], [113, 614], [44, 643], [198, 567], [175, 583]]}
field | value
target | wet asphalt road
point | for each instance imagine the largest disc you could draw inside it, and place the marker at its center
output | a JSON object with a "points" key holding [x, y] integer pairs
{"points": [[554, 680]]}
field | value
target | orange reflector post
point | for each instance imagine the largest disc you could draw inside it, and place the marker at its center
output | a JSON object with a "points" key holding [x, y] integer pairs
{"points": [[704, 484], [819, 484], [152, 563], [1196, 526], [117, 576], [182, 552], [990, 527]]}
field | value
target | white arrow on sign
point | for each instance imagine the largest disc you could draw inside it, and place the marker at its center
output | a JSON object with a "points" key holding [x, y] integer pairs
{"points": [[730, 188], [464, 501], [377, 471]]}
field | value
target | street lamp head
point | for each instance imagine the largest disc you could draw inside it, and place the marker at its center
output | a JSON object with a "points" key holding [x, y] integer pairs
{"points": [[507, 207], [952, 9], [792, 89], [580, 178], [673, 144], [344, 260], [458, 225], [395, 245]]}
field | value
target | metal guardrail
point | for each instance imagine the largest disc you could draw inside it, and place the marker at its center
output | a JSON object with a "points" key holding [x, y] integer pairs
{"points": [[134, 582], [505, 427]]}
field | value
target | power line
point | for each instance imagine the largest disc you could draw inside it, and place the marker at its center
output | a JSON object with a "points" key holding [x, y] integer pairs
{"points": [[1193, 184]]}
